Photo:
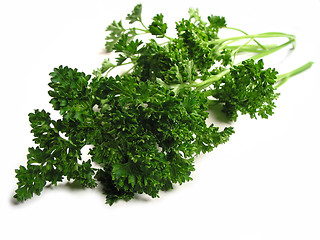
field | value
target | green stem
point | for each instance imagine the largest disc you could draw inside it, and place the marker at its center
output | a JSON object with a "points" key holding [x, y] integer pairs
{"points": [[143, 30], [143, 25], [272, 50], [251, 48], [283, 78], [235, 51], [253, 36], [209, 81], [239, 30], [126, 72], [204, 84], [110, 69]]}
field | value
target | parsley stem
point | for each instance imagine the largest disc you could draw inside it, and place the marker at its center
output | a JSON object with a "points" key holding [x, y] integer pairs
{"points": [[263, 53], [235, 51], [143, 30], [126, 72], [123, 64], [251, 48], [210, 80], [239, 30], [259, 35], [146, 29], [272, 50], [283, 78]]}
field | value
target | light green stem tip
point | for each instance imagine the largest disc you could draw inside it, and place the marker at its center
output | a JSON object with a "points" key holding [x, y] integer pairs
{"points": [[283, 78]]}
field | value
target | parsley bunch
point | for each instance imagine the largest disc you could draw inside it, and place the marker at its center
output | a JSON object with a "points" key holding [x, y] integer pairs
{"points": [[146, 125]]}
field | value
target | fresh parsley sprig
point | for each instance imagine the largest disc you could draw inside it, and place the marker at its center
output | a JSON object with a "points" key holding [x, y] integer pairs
{"points": [[146, 126]]}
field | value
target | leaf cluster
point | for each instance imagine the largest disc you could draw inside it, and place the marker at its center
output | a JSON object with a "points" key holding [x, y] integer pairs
{"points": [[248, 89], [146, 126], [144, 137], [197, 37], [54, 158], [158, 27]]}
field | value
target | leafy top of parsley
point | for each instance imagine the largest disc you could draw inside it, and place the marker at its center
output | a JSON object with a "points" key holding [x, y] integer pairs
{"points": [[146, 126]]}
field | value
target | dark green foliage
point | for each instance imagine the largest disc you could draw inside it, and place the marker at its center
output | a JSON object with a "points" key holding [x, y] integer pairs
{"points": [[128, 48], [158, 27], [149, 136], [53, 158], [217, 22], [248, 89], [145, 137], [197, 37], [168, 63], [146, 126], [70, 94]]}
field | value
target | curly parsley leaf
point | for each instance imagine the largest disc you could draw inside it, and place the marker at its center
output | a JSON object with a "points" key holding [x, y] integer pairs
{"points": [[116, 30], [105, 66], [135, 15], [248, 89], [127, 47], [217, 22], [53, 159], [70, 93], [158, 27]]}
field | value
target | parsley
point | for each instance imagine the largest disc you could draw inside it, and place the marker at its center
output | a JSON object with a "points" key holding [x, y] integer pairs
{"points": [[147, 125], [158, 27]]}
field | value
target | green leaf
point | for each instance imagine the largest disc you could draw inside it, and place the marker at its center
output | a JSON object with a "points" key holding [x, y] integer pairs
{"points": [[248, 89], [70, 93], [106, 65], [135, 15], [129, 48], [217, 22], [132, 180], [158, 27], [194, 14], [115, 30]]}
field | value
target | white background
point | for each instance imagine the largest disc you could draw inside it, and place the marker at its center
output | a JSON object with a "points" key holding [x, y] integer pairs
{"points": [[263, 184]]}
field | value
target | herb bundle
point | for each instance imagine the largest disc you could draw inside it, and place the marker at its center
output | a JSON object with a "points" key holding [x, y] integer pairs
{"points": [[146, 125]]}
